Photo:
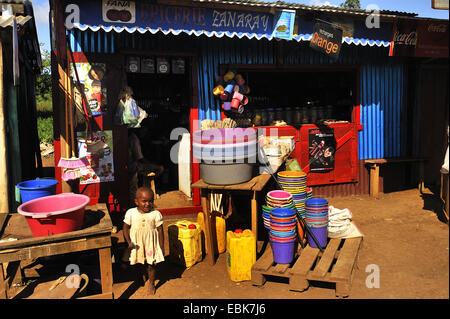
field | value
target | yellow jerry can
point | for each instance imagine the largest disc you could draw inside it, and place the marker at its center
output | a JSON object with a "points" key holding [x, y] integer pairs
{"points": [[220, 232], [241, 254], [185, 247]]}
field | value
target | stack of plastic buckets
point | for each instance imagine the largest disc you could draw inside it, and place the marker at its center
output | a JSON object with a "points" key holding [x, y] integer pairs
{"points": [[316, 219], [294, 182], [282, 234], [276, 199]]}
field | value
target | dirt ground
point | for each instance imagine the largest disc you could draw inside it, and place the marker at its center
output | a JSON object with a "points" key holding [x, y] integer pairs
{"points": [[406, 235]]}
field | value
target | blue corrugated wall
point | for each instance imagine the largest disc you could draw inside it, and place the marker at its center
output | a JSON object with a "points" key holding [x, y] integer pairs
{"points": [[382, 78]]}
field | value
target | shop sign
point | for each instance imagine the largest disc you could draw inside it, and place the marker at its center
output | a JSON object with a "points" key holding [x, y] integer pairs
{"points": [[322, 146], [326, 39], [432, 39], [151, 15], [404, 38], [284, 24], [422, 38], [119, 11]]}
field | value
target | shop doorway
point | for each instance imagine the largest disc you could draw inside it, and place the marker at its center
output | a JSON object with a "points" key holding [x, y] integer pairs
{"points": [[166, 97]]}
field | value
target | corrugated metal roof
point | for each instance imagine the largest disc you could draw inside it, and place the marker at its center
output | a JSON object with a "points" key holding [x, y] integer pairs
{"points": [[13, 1], [290, 5], [8, 21]]}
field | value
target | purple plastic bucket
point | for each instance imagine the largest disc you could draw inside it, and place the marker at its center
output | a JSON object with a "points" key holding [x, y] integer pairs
{"points": [[321, 234], [283, 252]]}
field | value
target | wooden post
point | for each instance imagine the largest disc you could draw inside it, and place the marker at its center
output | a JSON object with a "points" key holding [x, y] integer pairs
{"points": [[208, 232], [374, 179], [254, 205], [4, 185], [106, 275]]}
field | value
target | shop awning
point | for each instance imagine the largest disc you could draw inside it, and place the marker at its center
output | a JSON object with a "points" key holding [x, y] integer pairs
{"points": [[221, 34]]}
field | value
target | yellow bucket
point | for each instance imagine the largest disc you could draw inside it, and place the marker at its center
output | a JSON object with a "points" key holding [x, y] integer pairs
{"points": [[241, 254], [220, 232], [185, 247]]}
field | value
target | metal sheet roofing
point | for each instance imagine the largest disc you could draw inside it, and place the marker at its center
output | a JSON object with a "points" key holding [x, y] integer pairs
{"points": [[8, 21], [290, 5]]}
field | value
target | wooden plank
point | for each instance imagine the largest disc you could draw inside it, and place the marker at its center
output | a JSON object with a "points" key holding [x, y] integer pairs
{"points": [[265, 261], [254, 212], [325, 261], [280, 268], [18, 227], [305, 261], [347, 257], [54, 249], [3, 218], [108, 295], [208, 232]]}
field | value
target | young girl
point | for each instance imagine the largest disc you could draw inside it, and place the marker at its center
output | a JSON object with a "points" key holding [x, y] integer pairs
{"points": [[143, 231]]}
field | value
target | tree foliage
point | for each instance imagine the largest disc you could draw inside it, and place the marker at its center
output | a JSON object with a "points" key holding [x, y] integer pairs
{"points": [[44, 80], [351, 4]]}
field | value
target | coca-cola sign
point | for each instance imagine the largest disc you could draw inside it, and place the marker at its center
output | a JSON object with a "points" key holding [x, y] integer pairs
{"points": [[405, 38], [432, 39], [420, 38]]}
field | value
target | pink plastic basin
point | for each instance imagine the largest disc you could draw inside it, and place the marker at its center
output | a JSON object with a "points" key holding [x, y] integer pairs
{"points": [[55, 214]]}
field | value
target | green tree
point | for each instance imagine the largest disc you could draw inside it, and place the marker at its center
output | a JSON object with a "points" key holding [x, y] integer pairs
{"points": [[351, 4], [44, 80]]}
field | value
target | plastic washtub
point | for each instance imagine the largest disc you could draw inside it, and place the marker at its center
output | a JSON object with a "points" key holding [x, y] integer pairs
{"points": [[54, 214]]}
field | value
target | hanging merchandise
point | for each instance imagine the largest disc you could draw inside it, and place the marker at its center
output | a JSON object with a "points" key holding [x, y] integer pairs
{"points": [[232, 91], [128, 112]]}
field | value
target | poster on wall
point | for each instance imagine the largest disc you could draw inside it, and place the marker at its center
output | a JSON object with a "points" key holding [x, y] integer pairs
{"points": [[322, 147], [102, 161], [284, 24], [92, 78]]}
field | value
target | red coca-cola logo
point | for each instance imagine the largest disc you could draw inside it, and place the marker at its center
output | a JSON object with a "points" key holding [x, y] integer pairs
{"points": [[119, 15]]}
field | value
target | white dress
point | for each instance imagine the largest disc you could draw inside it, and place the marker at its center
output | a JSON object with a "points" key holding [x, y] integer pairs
{"points": [[144, 234]]}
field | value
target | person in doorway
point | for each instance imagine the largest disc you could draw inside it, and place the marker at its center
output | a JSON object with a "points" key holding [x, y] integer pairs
{"points": [[138, 164], [143, 232]]}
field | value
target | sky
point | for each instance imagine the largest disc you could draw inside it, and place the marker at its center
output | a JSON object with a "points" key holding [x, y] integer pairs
{"points": [[421, 7]]}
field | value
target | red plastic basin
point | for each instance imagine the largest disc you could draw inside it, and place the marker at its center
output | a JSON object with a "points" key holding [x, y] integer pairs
{"points": [[55, 214]]}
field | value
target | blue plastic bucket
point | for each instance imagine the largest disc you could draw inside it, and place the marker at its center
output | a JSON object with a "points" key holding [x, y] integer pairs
{"points": [[36, 188]]}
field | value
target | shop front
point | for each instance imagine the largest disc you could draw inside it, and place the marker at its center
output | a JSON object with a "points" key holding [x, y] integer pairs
{"points": [[342, 101]]}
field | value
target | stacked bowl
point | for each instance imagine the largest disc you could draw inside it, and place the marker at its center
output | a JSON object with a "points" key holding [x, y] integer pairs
{"points": [[308, 192], [282, 234], [294, 182], [226, 155], [276, 199], [316, 219]]}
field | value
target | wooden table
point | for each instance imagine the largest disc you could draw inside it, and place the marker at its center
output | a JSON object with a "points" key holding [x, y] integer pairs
{"points": [[253, 186], [374, 166], [96, 234]]}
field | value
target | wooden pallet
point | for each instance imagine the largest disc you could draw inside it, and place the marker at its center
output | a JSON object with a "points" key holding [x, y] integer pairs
{"points": [[335, 265]]}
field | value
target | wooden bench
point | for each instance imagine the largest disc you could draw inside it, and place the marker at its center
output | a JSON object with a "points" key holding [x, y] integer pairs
{"points": [[374, 167]]}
